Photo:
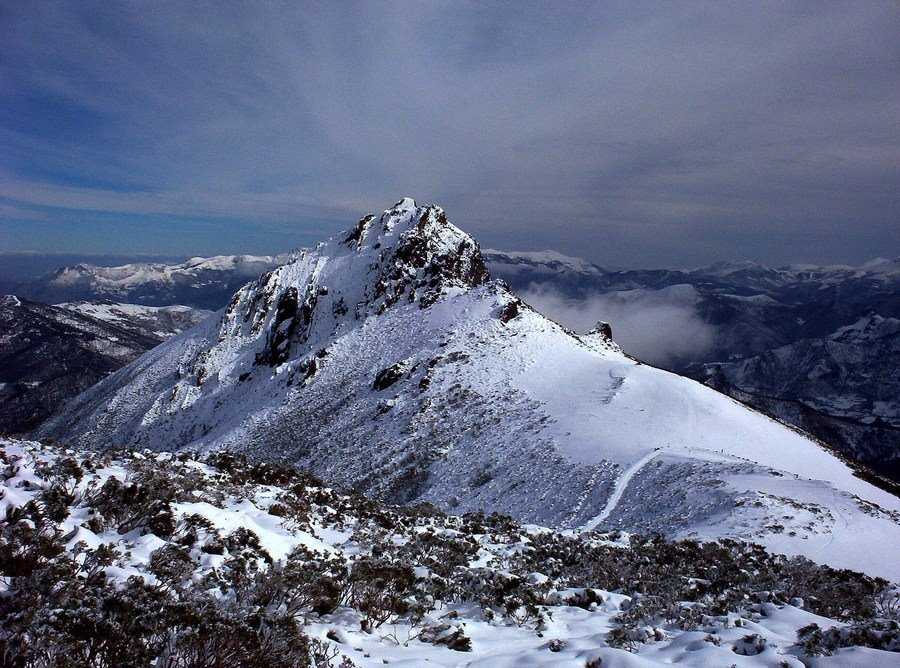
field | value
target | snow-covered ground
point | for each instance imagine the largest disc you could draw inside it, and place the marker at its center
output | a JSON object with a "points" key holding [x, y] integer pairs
{"points": [[159, 321], [759, 631]]}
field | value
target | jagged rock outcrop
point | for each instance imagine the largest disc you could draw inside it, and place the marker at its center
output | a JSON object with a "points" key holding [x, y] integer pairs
{"points": [[604, 329]]}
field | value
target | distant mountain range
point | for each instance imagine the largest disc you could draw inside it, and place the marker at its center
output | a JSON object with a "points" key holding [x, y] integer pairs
{"points": [[49, 354], [203, 283]]}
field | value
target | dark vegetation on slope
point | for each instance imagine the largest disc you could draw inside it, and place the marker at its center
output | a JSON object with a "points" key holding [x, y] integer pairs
{"points": [[73, 607], [48, 355]]}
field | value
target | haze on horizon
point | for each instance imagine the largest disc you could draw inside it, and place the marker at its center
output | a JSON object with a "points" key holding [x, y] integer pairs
{"points": [[630, 134]]}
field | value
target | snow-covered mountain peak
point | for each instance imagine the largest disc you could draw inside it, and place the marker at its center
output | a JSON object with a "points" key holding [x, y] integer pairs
{"points": [[725, 268], [868, 328], [410, 239], [387, 360], [409, 255], [548, 261]]}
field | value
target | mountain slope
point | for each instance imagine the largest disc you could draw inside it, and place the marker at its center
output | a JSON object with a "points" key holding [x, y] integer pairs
{"points": [[387, 359], [845, 385], [203, 283], [49, 354], [748, 330], [161, 322]]}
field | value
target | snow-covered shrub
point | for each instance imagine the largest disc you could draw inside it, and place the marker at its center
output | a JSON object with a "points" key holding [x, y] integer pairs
{"points": [[750, 645], [448, 635], [306, 583], [172, 566], [878, 634], [154, 558], [887, 602], [245, 559], [380, 589], [143, 502], [631, 637], [504, 594]]}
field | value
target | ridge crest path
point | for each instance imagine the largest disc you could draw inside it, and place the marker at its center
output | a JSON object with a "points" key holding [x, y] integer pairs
{"points": [[619, 489]]}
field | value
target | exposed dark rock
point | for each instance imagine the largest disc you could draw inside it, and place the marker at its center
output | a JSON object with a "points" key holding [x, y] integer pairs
{"points": [[603, 329], [277, 348], [387, 377], [509, 311], [357, 232]]}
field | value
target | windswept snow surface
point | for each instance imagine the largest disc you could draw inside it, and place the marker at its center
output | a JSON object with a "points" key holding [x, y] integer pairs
{"points": [[386, 359]]}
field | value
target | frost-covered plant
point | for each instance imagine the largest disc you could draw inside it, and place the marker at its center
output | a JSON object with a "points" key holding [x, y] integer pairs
{"points": [[874, 633], [207, 595], [887, 602], [305, 583], [380, 589]]}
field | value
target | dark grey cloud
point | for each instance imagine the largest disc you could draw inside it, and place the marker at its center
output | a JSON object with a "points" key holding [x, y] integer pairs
{"points": [[626, 133]]}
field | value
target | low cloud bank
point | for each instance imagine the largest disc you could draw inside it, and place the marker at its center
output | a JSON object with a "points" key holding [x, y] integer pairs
{"points": [[660, 326]]}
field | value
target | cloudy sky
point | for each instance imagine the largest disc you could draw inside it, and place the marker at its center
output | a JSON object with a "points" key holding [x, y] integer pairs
{"points": [[629, 134]]}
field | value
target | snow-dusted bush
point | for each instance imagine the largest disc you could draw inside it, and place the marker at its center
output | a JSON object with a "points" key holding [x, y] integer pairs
{"points": [[875, 633], [158, 558], [380, 588]]}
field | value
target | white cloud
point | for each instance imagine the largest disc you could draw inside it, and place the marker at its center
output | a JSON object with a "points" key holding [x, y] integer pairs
{"points": [[661, 326]]}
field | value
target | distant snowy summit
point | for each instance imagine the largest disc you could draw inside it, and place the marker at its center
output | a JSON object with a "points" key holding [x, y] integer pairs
{"points": [[548, 261], [49, 354], [204, 283], [388, 359]]}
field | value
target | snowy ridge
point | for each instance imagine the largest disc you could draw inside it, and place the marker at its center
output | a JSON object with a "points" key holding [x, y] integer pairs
{"points": [[160, 321], [204, 283], [387, 359], [549, 261], [121, 277]]}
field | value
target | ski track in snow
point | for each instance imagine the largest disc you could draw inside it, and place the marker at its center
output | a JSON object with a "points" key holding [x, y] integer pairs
{"points": [[625, 479], [833, 532], [619, 490]]}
